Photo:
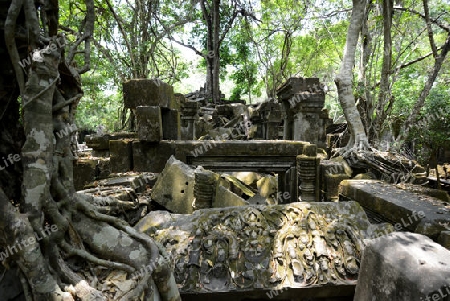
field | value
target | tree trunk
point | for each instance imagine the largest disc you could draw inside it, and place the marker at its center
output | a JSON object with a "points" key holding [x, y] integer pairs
{"points": [[50, 92], [216, 50], [344, 80], [432, 75], [384, 96]]}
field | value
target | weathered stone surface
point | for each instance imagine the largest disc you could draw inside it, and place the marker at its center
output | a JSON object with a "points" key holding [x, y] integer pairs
{"points": [[259, 248], [121, 155], [267, 186], [330, 185], [226, 198], [246, 177], [295, 85], [404, 266], [149, 123], [86, 171], [174, 188], [148, 92], [388, 167], [307, 167], [336, 165], [101, 143], [219, 155], [137, 182], [332, 172], [171, 123], [151, 156], [204, 188], [409, 211], [236, 186]]}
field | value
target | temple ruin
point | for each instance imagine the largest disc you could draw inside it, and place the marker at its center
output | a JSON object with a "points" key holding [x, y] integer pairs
{"points": [[250, 205]]}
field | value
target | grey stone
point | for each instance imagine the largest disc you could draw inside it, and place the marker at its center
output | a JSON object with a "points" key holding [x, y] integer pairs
{"points": [[86, 171], [404, 266], [101, 143], [174, 188], [267, 186], [149, 92], [149, 123], [171, 124], [151, 156], [406, 210], [121, 155], [226, 198], [303, 249]]}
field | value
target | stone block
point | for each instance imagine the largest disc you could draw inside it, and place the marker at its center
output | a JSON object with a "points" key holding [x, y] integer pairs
{"points": [[332, 172], [304, 251], [171, 123], [148, 92], [406, 210], [86, 171], [151, 156], [149, 123], [136, 182], [267, 186], [174, 188], [101, 143], [404, 266], [331, 185], [227, 198], [299, 84], [336, 165], [98, 143], [121, 155]]}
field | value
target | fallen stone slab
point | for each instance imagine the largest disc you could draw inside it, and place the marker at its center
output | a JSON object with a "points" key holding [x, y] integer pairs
{"points": [[299, 250], [404, 266], [174, 189], [406, 210]]}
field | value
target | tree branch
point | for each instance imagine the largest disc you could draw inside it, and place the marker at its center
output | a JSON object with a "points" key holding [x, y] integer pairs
{"points": [[189, 46], [434, 21], [429, 29]]}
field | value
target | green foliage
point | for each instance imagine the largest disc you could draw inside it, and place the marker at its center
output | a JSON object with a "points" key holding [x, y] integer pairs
{"points": [[432, 130], [100, 105], [283, 38]]}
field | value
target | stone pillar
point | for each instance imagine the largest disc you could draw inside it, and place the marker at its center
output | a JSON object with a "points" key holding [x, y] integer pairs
{"points": [[307, 167], [303, 100], [308, 124], [204, 188], [189, 113], [271, 114]]}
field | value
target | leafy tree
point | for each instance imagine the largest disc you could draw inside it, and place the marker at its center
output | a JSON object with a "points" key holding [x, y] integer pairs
{"points": [[210, 30], [42, 196]]}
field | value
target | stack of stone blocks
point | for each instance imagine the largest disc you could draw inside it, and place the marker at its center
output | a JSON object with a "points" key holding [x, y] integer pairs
{"points": [[304, 118], [157, 112]]}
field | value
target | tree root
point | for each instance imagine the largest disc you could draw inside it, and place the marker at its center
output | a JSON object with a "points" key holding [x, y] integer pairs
{"points": [[91, 258]]}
